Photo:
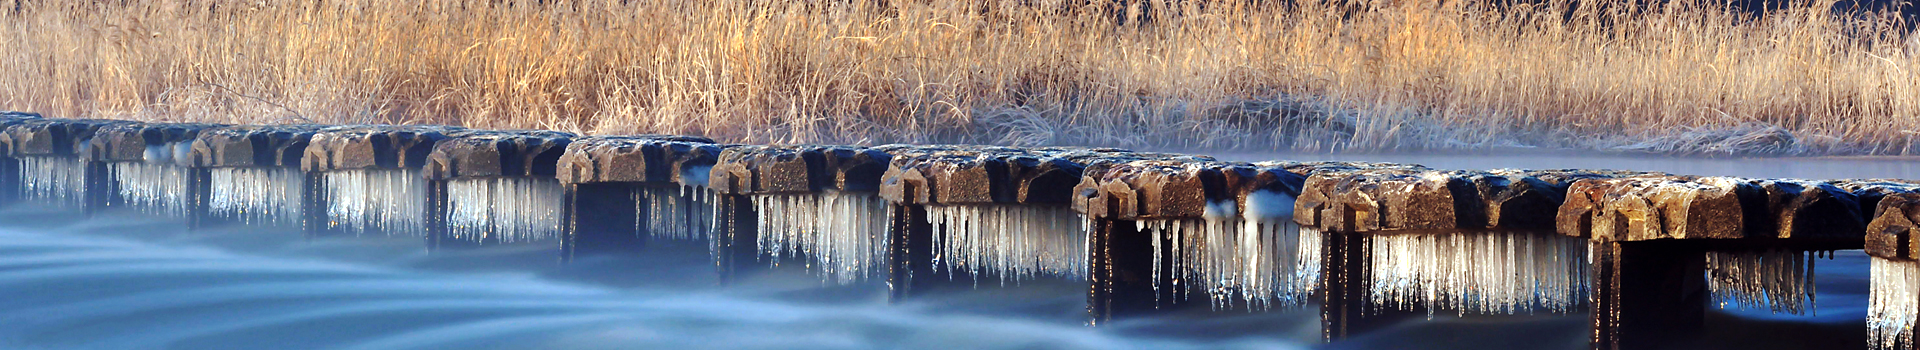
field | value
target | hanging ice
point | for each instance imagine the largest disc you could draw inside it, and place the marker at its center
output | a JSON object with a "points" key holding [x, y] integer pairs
{"points": [[59, 180], [1257, 255], [389, 201], [158, 188], [1479, 272], [677, 213], [1015, 242], [1778, 280], [509, 209], [844, 233], [1893, 303], [272, 195]]}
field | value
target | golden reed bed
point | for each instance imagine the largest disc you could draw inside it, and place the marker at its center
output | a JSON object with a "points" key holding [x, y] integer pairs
{"points": [[1249, 75]]}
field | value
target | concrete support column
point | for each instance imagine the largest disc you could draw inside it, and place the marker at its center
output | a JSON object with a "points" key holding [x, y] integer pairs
{"points": [[1120, 264], [736, 243], [98, 192], [602, 218], [9, 180], [1645, 293], [439, 234], [910, 255], [313, 212]]}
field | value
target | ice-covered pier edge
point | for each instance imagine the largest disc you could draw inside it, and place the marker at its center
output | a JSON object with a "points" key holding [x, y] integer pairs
{"points": [[494, 187], [622, 191], [1894, 296]]}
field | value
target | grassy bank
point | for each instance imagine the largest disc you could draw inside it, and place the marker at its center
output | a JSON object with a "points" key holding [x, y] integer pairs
{"points": [[1198, 74]]}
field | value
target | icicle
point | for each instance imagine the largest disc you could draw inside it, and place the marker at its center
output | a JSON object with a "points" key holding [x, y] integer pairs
{"points": [[389, 201], [156, 188], [1778, 280], [1479, 273], [677, 213], [844, 233], [1263, 262], [259, 195], [58, 180], [1014, 242], [507, 209], [1893, 303]]}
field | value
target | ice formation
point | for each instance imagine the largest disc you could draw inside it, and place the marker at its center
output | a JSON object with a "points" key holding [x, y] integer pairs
{"points": [[1893, 303], [272, 195], [389, 201], [1257, 255], [160, 188], [677, 213], [1778, 280], [1013, 241], [60, 180], [844, 233], [507, 209], [1479, 272]]}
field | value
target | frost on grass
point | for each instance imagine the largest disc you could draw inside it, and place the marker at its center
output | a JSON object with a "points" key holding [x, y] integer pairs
{"points": [[504, 209], [1479, 272], [843, 235]]}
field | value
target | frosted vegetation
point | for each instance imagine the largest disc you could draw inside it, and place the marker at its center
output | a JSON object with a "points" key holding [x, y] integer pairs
{"points": [[268, 196], [842, 235], [384, 201], [504, 209], [1497, 272], [1893, 304], [1777, 280], [1686, 77]]}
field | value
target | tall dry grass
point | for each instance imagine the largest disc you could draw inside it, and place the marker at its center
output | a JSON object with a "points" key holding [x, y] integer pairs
{"points": [[1254, 75]]}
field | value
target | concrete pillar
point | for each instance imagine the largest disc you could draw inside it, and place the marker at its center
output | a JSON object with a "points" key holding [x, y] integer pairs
{"points": [[1645, 293], [910, 255], [736, 243], [313, 211], [1346, 288], [1120, 264], [9, 180], [199, 198], [602, 218], [98, 193], [439, 234]]}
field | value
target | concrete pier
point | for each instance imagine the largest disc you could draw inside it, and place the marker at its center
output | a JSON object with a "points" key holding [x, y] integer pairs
{"points": [[621, 189], [369, 179], [801, 202], [51, 155], [10, 184], [140, 159], [494, 187], [251, 174]]}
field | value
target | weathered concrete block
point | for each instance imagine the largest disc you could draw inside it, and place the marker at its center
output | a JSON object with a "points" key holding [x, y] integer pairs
{"points": [[486, 153], [374, 146], [1799, 209], [637, 158], [8, 120], [250, 146], [1655, 207], [986, 174], [145, 142], [1890, 234], [1401, 198], [51, 137], [798, 169], [1177, 189]]}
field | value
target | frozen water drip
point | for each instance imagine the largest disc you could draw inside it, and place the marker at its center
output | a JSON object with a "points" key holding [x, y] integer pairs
{"points": [[844, 233], [157, 188], [678, 213], [1893, 303], [1015, 242], [507, 209], [272, 196], [389, 201], [1500, 272], [1264, 262], [1777, 280], [59, 180]]}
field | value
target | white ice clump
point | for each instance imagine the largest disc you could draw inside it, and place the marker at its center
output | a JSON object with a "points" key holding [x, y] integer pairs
{"points": [[1778, 280], [1893, 303], [1479, 272], [507, 209], [160, 188], [676, 213], [1015, 242], [844, 233], [387, 201], [60, 180], [272, 195], [1255, 254]]}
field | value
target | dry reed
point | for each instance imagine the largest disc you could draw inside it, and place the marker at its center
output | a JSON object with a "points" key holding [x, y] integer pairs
{"points": [[1249, 75]]}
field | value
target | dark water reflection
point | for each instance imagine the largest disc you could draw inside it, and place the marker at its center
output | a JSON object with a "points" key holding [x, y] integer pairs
{"points": [[123, 281]]}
